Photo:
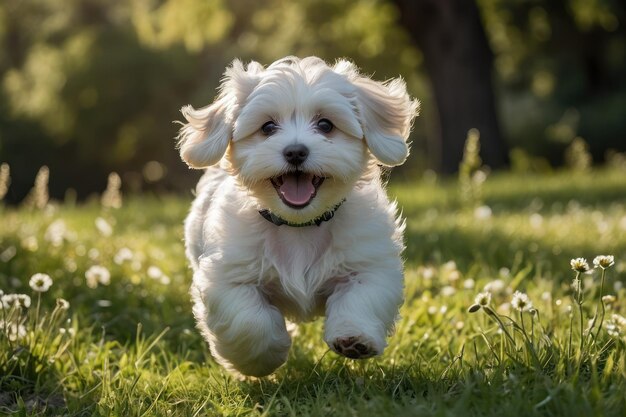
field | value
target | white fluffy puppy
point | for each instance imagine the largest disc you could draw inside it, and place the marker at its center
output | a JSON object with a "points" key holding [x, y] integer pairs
{"points": [[291, 218]]}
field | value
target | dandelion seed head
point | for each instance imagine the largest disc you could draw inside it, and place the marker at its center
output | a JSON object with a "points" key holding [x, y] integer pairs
{"points": [[521, 301], [40, 282], [579, 265], [604, 261]]}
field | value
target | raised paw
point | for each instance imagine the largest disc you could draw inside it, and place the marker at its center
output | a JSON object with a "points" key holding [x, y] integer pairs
{"points": [[354, 347]]}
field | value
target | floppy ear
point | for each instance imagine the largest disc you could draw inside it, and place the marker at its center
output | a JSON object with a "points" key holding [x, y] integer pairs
{"points": [[203, 140], [386, 112]]}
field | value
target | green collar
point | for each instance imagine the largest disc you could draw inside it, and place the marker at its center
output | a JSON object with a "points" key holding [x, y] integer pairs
{"points": [[279, 221]]}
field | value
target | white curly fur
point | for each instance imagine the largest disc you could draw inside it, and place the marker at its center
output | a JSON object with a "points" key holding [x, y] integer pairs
{"points": [[249, 274]]}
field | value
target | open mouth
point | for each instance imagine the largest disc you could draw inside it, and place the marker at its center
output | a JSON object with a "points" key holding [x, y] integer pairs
{"points": [[297, 189]]}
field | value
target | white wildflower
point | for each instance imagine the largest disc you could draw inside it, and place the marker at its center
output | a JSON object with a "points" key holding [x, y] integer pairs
{"points": [[103, 227], [448, 291], [55, 233], [536, 220], [603, 261], [496, 286], [154, 272], [40, 282], [15, 300], [483, 299], [62, 304], [428, 273], [482, 213], [97, 274], [13, 331], [123, 255], [521, 302], [579, 265], [469, 284]]}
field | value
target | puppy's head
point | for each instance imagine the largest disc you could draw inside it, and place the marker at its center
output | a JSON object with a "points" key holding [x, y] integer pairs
{"points": [[299, 134]]}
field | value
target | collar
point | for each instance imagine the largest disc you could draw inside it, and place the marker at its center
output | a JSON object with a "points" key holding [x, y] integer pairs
{"points": [[279, 221]]}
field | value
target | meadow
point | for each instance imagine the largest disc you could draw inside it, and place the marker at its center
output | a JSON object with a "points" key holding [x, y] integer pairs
{"points": [[497, 319]]}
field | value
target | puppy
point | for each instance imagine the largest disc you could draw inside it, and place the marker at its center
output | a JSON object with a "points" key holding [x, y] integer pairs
{"points": [[291, 219]]}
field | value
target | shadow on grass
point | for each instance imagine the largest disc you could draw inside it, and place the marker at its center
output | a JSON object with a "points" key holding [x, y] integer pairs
{"points": [[495, 249]]}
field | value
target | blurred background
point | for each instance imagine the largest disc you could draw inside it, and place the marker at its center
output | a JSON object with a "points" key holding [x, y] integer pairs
{"points": [[88, 87]]}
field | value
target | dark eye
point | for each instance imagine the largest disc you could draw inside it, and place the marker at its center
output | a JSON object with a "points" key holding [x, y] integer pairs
{"points": [[325, 125], [269, 128]]}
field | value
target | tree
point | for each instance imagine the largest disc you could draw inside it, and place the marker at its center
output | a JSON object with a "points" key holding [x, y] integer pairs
{"points": [[459, 62]]}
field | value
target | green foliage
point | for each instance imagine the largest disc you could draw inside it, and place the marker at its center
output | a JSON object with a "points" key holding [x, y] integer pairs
{"points": [[99, 83], [130, 347]]}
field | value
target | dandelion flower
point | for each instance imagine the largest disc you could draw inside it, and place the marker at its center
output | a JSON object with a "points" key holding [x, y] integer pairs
{"points": [[97, 274], [521, 302], [579, 265], [603, 261], [40, 282]]}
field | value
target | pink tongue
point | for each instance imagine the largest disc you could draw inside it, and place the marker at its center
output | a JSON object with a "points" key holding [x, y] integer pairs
{"points": [[297, 189]]}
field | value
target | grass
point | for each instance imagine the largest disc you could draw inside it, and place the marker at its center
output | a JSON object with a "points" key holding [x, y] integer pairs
{"points": [[130, 348]]}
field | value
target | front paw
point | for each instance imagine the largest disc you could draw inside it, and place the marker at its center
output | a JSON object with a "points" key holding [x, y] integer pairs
{"points": [[355, 347]]}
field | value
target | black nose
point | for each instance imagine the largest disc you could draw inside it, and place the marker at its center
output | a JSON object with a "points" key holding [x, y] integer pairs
{"points": [[296, 154]]}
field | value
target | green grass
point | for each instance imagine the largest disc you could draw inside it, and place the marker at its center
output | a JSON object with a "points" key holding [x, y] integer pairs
{"points": [[130, 348]]}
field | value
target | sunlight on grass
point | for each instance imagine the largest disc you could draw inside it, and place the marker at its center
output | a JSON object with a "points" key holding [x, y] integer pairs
{"points": [[107, 329]]}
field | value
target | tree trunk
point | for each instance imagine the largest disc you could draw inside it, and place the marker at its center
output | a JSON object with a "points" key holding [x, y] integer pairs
{"points": [[459, 62]]}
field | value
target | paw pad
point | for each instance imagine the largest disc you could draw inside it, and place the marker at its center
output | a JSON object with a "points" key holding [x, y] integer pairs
{"points": [[354, 347]]}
